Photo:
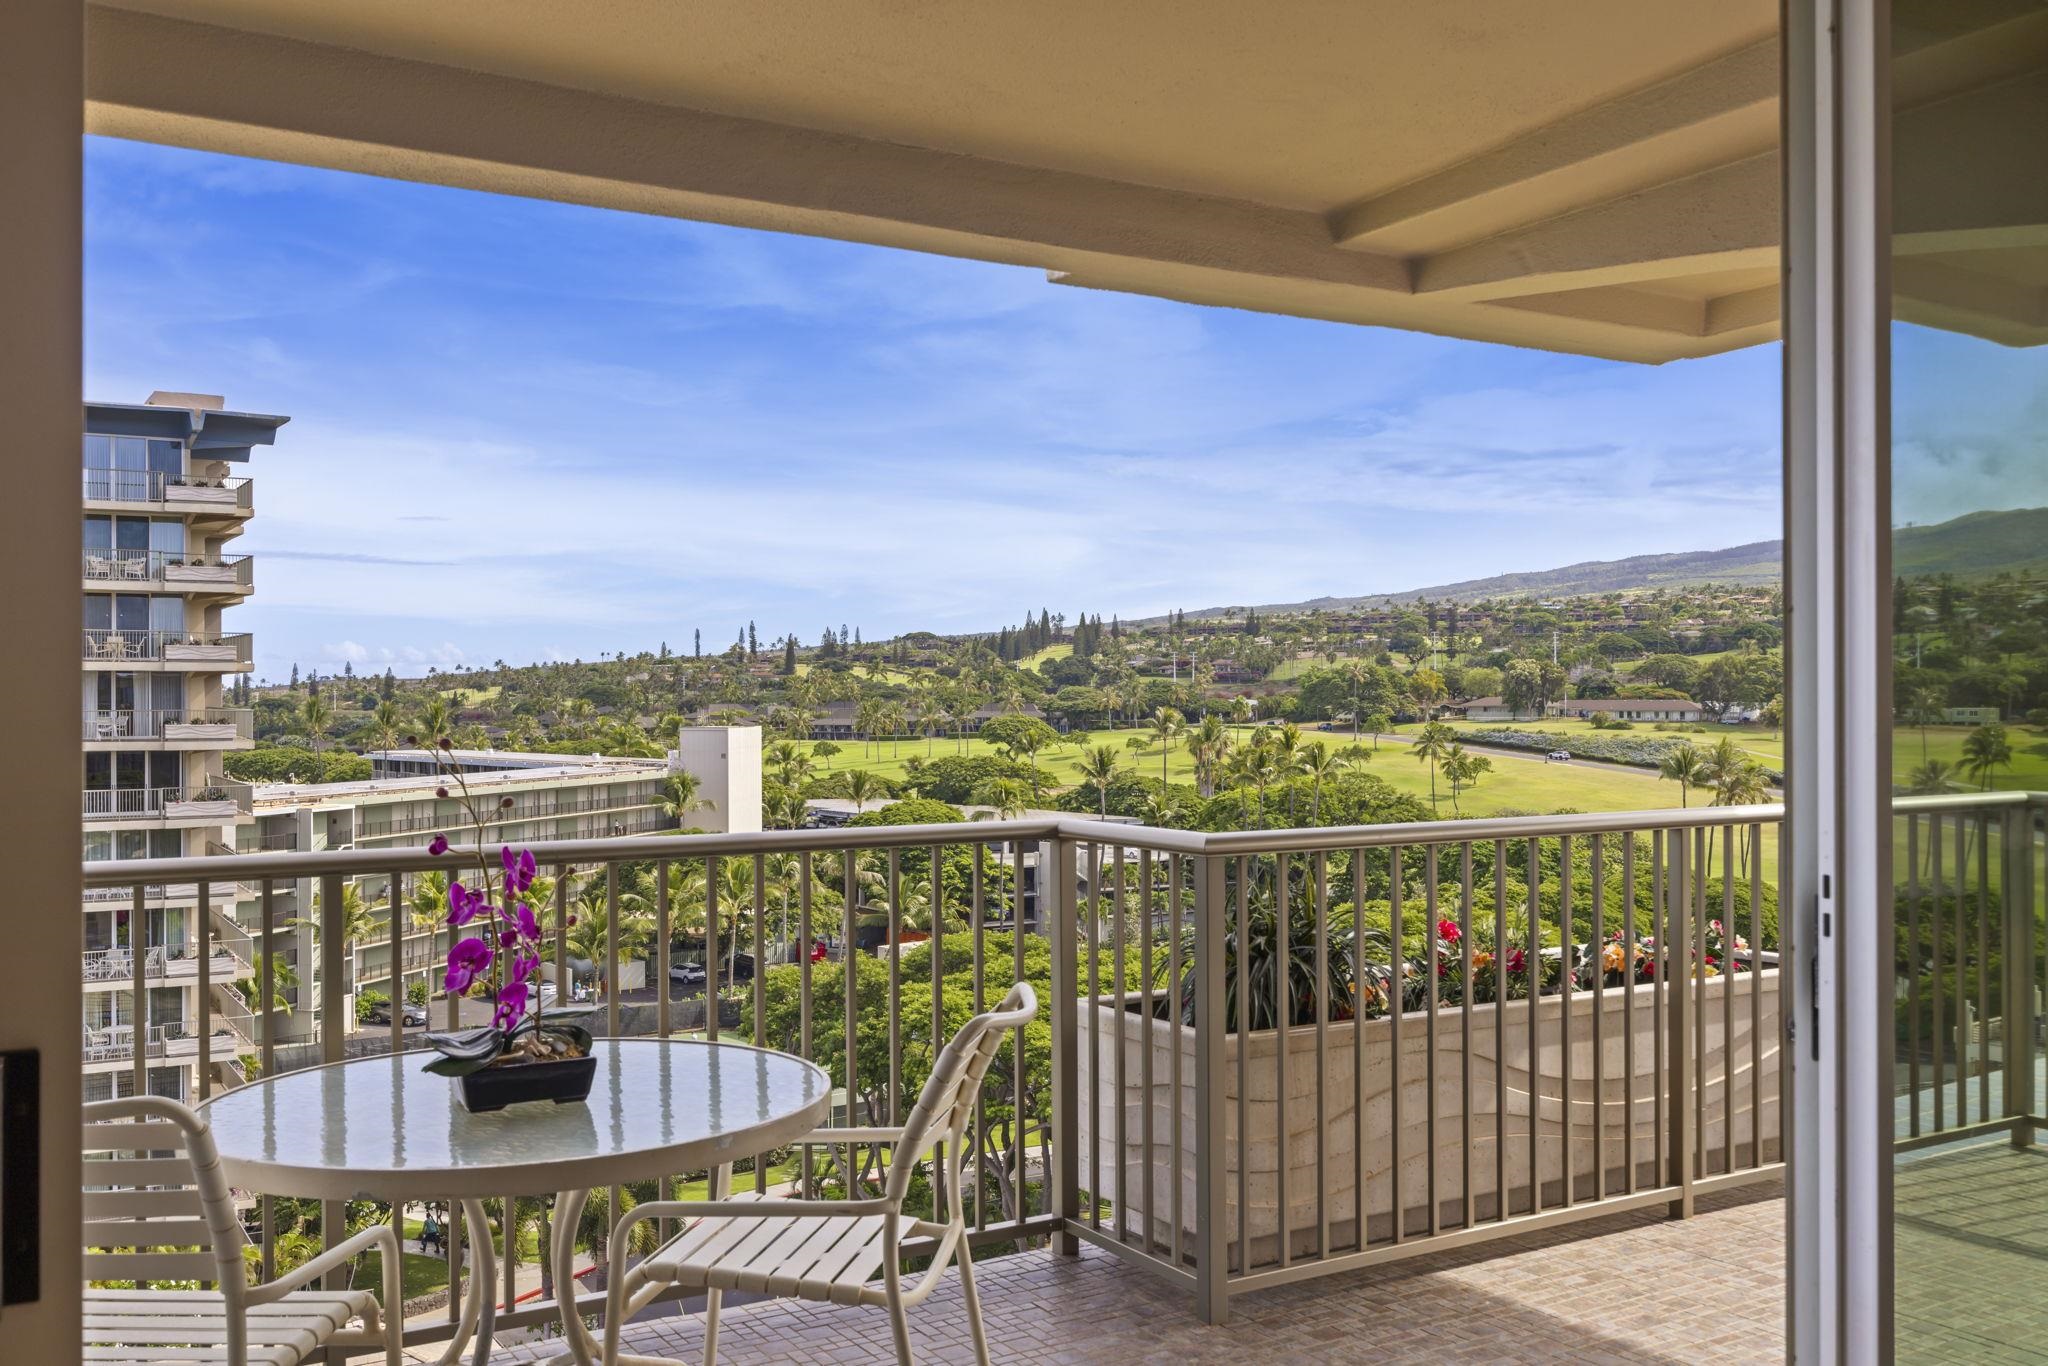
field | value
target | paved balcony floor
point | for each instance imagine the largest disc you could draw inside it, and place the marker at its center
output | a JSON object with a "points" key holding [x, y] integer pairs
{"points": [[1631, 1288]]}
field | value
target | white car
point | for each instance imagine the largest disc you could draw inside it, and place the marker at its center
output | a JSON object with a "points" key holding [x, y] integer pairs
{"points": [[1559, 756]]}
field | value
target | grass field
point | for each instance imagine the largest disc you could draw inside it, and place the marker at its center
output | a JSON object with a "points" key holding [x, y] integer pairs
{"points": [[471, 697]]}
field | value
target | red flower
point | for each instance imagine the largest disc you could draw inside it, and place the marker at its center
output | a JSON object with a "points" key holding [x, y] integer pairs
{"points": [[1516, 960], [1649, 968], [1447, 930]]}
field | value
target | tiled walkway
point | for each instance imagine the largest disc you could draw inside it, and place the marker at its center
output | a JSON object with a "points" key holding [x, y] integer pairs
{"points": [[1970, 1255], [1630, 1288]]}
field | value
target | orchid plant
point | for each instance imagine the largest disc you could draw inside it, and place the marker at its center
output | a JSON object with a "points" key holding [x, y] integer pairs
{"points": [[500, 956]]}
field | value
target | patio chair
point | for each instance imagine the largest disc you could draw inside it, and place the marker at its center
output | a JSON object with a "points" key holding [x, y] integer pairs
{"points": [[832, 1250], [158, 1209]]}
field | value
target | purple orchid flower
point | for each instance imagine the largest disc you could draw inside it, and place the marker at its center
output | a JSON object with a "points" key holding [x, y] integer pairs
{"points": [[463, 904], [467, 961], [519, 868], [438, 845], [511, 1005]]}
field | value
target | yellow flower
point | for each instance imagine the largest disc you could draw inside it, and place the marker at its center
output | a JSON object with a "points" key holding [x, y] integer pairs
{"points": [[1480, 960]]}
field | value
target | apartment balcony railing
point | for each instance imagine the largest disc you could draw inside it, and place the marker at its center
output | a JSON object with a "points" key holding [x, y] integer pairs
{"points": [[230, 651], [206, 802], [228, 497], [1496, 1025], [170, 569], [520, 811], [194, 725]]}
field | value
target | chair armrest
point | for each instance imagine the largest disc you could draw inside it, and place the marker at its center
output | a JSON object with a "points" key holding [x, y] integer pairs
{"points": [[831, 1137], [382, 1237]]}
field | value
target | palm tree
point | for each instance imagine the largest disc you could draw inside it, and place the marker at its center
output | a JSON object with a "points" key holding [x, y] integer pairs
{"points": [[1686, 766], [436, 721], [1923, 709], [1163, 808], [679, 795], [1208, 743], [1286, 745], [317, 717], [386, 724], [1168, 725], [1986, 750], [1010, 797], [863, 787], [1432, 745], [1098, 766], [1321, 764], [1463, 770], [1932, 777]]}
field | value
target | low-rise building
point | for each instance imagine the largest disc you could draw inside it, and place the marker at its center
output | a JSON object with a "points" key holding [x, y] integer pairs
{"points": [[1668, 709]]}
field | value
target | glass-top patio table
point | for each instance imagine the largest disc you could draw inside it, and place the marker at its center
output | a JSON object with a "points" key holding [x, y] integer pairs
{"points": [[382, 1129]]}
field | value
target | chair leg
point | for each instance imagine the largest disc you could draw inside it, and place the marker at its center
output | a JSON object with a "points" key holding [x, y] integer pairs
{"points": [[973, 1299], [711, 1298], [901, 1327]]}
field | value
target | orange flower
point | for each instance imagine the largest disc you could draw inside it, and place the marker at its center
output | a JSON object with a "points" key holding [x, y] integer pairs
{"points": [[1480, 960], [1613, 958]]}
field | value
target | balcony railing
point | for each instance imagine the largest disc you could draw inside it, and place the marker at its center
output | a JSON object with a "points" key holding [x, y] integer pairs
{"points": [[207, 649], [170, 569], [197, 725], [1494, 1025], [223, 801], [231, 949], [566, 805], [186, 493]]}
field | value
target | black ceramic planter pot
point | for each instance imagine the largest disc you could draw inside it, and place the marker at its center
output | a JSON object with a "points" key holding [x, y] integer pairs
{"points": [[560, 1080]]}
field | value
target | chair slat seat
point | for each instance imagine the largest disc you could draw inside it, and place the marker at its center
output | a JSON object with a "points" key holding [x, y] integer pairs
{"points": [[833, 1259], [191, 1326], [169, 1216]]}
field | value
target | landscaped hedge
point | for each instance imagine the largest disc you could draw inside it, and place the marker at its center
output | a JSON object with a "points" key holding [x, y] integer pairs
{"points": [[1641, 751]]}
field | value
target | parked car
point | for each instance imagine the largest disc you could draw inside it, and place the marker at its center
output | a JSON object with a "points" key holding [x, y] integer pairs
{"points": [[1558, 756], [415, 1016]]}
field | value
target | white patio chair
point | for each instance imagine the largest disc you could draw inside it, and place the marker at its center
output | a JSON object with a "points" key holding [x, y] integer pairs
{"points": [[832, 1250], [158, 1209]]}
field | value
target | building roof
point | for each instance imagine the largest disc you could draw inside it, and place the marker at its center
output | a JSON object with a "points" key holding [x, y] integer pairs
{"points": [[215, 432], [513, 758], [1630, 703], [286, 796]]}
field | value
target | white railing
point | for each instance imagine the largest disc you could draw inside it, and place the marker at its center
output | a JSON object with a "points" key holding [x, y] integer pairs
{"points": [[1584, 969], [196, 724], [198, 802], [168, 567], [230, 650], [106, 485]]}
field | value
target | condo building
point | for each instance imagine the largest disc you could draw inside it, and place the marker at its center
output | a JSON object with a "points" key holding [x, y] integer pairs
{"points": [[163, 501]]}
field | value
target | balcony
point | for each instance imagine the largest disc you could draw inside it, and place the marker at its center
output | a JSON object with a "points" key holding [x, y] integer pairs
{"points": [[174, 728], [167, 651], [205, 804], [232, 955], [200, 575], [196, 497], [1603, 1044]]}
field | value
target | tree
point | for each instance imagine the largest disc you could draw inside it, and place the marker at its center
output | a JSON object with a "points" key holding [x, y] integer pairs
{"points": [[1986, 750], [1426, 686], [1099, 767], [1319, 763], [1432, 746], [316, 717], [863, 787], [386, 728], [1924, 707], [680, 795], [1463, 770], [1021, 737], [1685, 765], [1167, 726], [1010, 797], [1521, 686]]}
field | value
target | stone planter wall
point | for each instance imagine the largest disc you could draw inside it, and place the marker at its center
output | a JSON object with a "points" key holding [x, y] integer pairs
{"points": [[1149, 1184]]}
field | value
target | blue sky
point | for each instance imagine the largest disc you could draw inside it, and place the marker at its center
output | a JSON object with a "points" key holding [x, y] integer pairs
{"points": [[525, 430]]}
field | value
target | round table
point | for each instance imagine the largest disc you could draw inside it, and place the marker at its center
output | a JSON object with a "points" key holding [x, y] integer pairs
{"points": [[383, 1129]]}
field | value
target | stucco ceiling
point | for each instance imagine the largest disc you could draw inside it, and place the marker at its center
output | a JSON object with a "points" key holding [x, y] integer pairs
{"points": [[1586, 175]]}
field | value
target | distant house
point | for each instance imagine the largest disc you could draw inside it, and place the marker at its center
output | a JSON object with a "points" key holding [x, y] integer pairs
{"points": [[1971, 716], [1628, 708], [1486, 709], [834, 721]]}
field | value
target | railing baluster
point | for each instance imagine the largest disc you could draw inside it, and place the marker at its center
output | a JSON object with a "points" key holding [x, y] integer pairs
{"points": [[1532, 967], [1322, 904], [760, 1032], [1939, 880], [1145, 1050], [850, 983], [1091, 1015], [1596, 867], [1396, 1007], [1567, 937], [894, 945], [1173, 971], [1119, 1014], [205, 933], [803, 1004], [1912, 971], [611, 957], [711, 954], [1982, 1042], [1432, 979], [1726, 986], [1283, 1018], [1243, 990], [267, 1060], [1659, 959], [1500, 1029], [1702, 862], [1962, 997], [1465, 1033], [1017, 1073], [975, 910], [1756, 1001], [1359, 1204]]}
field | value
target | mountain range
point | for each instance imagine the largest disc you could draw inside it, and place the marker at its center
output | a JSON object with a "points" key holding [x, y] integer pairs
{"points": [[1975, 543]]}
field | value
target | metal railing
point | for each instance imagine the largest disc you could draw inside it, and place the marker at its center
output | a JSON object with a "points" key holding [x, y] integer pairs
{"points": [[229, 650], [198, 801], [168, 567], [197, 724], [1493, 1025], [415, 822], [105, 485]]}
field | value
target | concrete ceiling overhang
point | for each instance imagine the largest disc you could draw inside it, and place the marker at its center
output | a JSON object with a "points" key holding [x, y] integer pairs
{"points": [[1598, 176]]}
